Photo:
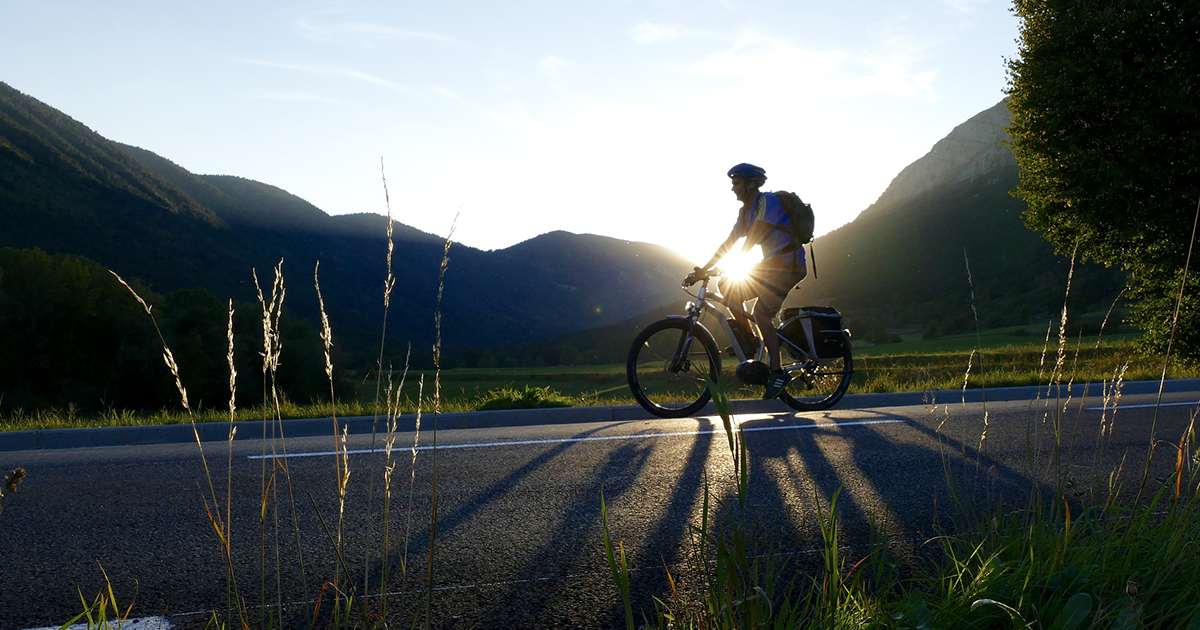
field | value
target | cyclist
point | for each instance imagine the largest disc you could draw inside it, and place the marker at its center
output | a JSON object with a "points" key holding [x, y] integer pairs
{"points": [[762, 221]]}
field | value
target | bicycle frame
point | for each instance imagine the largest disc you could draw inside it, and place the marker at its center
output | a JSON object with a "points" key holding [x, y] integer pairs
{"points": [[700, 304]]}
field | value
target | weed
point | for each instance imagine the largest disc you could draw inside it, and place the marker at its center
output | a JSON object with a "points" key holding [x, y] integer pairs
{"points": [[11, 481], [527, 398]]}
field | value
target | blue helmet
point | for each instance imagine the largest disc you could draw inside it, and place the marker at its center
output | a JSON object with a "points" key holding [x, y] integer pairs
{"points": [[749, 171]]}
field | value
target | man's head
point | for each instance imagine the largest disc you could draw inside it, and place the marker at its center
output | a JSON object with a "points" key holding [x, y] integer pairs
{"points": [[747, 179]]}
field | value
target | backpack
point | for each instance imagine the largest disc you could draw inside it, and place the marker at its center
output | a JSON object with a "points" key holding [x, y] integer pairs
{"points": [[800, 216]]}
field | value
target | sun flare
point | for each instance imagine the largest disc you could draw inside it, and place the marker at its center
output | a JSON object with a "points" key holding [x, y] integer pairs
{"points": [[737, 264]]}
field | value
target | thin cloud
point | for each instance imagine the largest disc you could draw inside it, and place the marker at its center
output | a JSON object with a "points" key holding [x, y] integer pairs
{"points": [[820, 74], [522, 122], [296, 97], [647, 33], [329, 70], [364, 32]]}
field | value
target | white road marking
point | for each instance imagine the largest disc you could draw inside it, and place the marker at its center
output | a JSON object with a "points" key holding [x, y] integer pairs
{"points": [[1146, 406], [591, 438], [141, 623]]}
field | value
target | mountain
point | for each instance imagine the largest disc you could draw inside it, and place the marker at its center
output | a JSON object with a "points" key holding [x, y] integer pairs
{"points": [[944, 241], [948, 228], [66, 189]]}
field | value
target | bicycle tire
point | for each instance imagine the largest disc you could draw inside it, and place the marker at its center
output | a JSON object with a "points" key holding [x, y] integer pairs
{"points": [[828, 382], [660, 388]]}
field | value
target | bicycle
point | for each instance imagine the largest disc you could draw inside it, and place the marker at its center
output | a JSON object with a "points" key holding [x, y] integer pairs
{"points": [[672, 360]]}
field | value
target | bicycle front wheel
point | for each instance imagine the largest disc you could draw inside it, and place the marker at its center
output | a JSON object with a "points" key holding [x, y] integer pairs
{"points": [[821, 384], [669, 366]]}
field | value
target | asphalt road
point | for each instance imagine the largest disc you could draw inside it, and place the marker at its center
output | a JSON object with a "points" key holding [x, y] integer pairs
{"points": [[518, 529]]}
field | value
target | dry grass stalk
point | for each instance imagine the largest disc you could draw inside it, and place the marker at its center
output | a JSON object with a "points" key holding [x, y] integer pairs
{"points": [[389, 468], [342, 457], [220, 525], [326, 332], [437, 401], [412, 482], [1112, 396], [389, 283], [978, 344], [232, 375], [272, 314], [1061, 356], [1187, 263], [168, 358]]}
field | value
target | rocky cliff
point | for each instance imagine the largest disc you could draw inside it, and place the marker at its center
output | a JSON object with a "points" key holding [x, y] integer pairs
{"points": [[976, 148]]}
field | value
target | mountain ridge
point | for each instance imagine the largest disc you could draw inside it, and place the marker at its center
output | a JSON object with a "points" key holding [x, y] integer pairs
{"points": [[945, 227], [144, 216], [973, 148]]}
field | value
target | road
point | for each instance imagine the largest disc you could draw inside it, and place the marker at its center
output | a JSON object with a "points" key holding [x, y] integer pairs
{"points": [[518, 528]]}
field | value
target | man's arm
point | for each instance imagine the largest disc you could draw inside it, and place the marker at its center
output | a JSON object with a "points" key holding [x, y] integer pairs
{"points": [[722, 250]]}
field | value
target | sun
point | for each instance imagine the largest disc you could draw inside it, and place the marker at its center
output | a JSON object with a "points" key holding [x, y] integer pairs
{"points": [[737, 264]]}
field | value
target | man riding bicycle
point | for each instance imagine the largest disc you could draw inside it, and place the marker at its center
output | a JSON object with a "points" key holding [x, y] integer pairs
{"points": [[762, 221]]}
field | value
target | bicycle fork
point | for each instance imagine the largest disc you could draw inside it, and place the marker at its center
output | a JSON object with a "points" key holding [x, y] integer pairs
{"points": [[679, 360]]}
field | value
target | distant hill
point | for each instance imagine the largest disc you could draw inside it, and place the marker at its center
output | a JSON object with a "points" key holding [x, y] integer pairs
{"points": [[901, 263], [66, 189], [904, 260]]}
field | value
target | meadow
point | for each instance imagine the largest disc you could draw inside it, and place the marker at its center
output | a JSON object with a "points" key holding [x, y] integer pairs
{"points": [[992, 358]]}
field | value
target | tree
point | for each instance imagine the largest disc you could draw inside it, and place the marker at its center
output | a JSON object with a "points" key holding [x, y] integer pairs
{"points": [[1105, 103]]}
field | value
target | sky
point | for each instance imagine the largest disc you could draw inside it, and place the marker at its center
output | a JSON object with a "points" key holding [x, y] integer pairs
{"points": [[512, 118]]}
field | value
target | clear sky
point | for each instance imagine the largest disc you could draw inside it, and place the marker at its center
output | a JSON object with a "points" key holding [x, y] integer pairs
{"points": [[607, 117]]}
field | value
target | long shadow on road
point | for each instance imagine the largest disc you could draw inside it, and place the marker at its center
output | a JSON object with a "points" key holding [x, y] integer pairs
{"points": [[897, 483], [544, 566]]}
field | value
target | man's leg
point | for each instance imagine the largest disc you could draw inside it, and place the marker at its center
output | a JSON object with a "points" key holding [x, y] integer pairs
{"points": [[735, 291], [776, 283], [766, 308]]}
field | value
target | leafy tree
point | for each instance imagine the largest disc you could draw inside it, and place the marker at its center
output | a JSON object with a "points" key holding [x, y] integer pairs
{"points": [[71, 334], [1105, 102]]}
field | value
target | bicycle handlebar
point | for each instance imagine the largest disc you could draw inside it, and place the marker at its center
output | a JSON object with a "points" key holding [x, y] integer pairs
{"points": [[701, 275]]}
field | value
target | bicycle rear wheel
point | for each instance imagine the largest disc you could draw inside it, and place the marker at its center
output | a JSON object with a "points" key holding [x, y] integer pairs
{"points": [[669, 366], [821, 384]]}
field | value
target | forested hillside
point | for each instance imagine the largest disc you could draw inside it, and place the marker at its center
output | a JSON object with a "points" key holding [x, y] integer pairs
{"points": [[947, 234], [70, 198], [68, 190]]}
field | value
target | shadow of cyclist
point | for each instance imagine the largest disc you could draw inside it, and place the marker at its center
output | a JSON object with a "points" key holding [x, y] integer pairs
{"points": [[894, 478]]}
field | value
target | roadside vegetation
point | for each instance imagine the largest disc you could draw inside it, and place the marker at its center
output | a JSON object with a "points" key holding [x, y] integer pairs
{"points": [[995, 358], [1080, 554]]}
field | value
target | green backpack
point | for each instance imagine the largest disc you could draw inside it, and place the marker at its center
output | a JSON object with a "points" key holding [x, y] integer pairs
{"points": [[800, 216]]}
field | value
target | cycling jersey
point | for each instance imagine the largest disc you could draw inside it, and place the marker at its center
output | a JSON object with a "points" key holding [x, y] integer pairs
{"points": [[768, 208]]}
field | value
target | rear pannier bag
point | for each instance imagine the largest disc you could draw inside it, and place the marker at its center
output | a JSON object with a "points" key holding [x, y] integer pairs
{"points": [[816, 328]]}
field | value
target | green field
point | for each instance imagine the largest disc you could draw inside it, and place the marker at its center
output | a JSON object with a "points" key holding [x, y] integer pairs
{"points": [[997, 358]]}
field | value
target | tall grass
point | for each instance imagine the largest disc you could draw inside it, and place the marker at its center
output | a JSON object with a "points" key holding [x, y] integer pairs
{"points": [[342, 600]]}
